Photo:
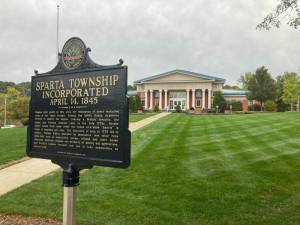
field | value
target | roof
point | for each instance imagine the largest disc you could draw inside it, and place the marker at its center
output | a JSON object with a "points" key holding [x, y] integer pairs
{"points": [[217, 79], [233, 92], [224, 92]]}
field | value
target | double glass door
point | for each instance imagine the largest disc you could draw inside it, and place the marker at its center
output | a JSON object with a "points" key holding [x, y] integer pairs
{"points": [[177, 98], [177, 102]]}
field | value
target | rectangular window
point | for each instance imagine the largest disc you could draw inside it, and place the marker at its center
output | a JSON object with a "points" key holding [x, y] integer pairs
{"points": [[171, 104], [177, 94], [183, 104], [198, 103], [156, 94]]}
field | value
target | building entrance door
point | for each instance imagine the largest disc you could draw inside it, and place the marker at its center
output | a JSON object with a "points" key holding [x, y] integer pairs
{"points": [[177, 99]]}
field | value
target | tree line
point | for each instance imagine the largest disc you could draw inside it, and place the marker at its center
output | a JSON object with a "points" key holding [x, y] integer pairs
{"points": [[24, 87], [282, 93], [17, 100], [17, 105]]}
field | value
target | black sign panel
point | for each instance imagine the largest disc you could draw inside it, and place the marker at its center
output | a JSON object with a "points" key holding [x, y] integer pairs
{"points": [[80, 116]]}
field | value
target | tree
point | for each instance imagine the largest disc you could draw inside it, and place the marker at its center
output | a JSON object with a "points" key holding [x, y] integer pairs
{"points": [[24, 88], [21, 107], [17, 104], [286, 8], [245, 79], [4, 85], [219, 101], [138, 102], [291, 89], [261, 85], [233, 87], [279, 84], [132, 104]]}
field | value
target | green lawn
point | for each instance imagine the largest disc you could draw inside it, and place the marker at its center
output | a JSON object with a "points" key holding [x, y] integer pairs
{"points": [[138, 117], [187, 170], [12, 144]]}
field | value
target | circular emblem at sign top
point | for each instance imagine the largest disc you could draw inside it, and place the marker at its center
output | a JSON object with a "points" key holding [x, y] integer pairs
{"points": [[73, 53]]}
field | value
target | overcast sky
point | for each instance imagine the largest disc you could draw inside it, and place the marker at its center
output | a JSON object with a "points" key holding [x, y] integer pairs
{"points": [[210, 37]]}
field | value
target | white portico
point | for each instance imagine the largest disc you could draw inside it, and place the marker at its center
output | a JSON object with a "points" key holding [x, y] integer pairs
{"points": [[178, 87]]}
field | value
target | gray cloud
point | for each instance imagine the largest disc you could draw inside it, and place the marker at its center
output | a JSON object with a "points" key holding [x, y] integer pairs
{"points": [[212, 37]]}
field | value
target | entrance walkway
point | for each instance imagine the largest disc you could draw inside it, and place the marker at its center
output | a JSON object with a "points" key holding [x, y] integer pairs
{"points": [[22, 173], [139, 124]]}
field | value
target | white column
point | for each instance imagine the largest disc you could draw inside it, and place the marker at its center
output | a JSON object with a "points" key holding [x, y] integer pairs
{"points": [[160, 99], [209, 99], [146, 99], [188, 99], [193, 98], [166, 99], [203, 98], [151, 99]]}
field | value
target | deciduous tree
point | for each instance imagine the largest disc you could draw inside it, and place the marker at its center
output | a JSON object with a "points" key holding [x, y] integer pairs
{"points": [[291, 89], [17, 104], [279, 84], [233, 87], [261, 85], [288, 10]]}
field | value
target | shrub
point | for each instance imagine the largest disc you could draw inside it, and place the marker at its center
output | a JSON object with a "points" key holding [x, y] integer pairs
{"points": [[156, 108], [178, 108], [270, 106], [25, 121]]}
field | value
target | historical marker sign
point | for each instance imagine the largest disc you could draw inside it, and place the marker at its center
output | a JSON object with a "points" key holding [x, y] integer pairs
{"points": [[79, 112]]}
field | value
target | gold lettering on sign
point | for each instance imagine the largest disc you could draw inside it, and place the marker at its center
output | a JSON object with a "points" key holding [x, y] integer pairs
{"points": [[86, 89]]}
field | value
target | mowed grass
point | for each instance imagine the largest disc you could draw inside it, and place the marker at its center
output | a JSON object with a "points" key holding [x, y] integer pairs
{"points": [[192, 170], [12, 144], [138, 117]]}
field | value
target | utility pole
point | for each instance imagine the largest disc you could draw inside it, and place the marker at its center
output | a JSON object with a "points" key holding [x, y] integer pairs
{"points": [[5, 111]]}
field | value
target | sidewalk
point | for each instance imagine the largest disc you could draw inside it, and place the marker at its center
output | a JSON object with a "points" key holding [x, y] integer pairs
{"points": [[139, 124], [22, 173]]}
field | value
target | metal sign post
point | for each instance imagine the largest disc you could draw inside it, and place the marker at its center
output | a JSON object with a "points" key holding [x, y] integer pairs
{"points": [[70, 182], [69, 206]]}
